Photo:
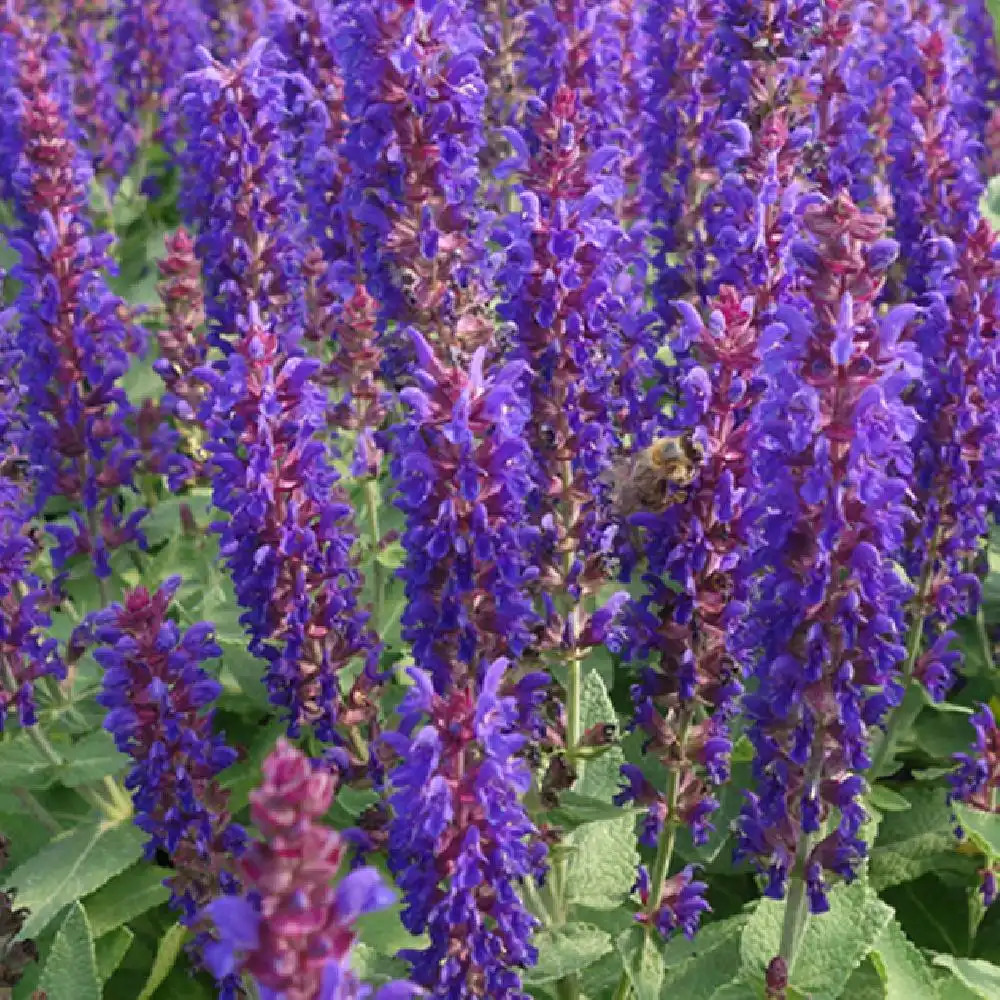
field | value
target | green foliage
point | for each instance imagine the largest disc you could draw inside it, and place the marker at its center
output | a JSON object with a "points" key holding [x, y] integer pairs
{"points": [[832, 947], [902, 969], [73, 866], [567, 949], [70, 971], [981, 978]]}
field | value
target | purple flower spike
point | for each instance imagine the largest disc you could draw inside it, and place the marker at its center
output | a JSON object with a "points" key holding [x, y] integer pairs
{"points": [[976, 780], [294, 929], [288, 538], [74, 335], [460, 841], [831, 439], [157, 697]]}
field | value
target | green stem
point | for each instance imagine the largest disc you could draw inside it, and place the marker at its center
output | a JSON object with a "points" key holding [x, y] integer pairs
{"points": [[796, 903], [378, 573], [113, 808], [984, 637], [665, 846], [38, 811], [899, 718]]}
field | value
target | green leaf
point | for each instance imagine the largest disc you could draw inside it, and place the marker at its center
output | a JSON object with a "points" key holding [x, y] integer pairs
{"points": [[23, 765], [166, 955], [576, 810], [866, 984], [886, 800], [982, 828], [125, 897], [933, 912], [982, 978], [740, 991], [70, 971], [384, 931], [92, 758], [71, 867], [901, 967], [643, 963], [374, 967], [911, 843], [832, 947], [602, 863], [567, 949], [600, 777], [111, 949], [714, 961]]}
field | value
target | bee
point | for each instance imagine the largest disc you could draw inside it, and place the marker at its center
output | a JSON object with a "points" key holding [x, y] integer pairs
{"points": [[657, 477]]}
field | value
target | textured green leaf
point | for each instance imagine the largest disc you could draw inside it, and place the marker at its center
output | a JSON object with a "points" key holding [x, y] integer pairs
{"points": [[832, 947], [374, 967], [903, 970], [866, 984], [915, 841], [714, 961], [384, 931], [739, 990], [567, 949], [886, 800], [125, 897], [982, 978], [166, 956], [643, 963], [92, 758], [982, 828], [933, 912], [111, 949], [70, 971], [600, 778], [602, 863], [23, 765], [71, 867], [575, 810]]}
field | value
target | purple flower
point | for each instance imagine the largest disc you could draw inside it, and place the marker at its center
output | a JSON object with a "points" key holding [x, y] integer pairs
{"points": [[460, 841], [153, 45], [975, 781], [73, 339], [294, 928], [461, 464], [951, 263], [288, 538], [234, 26], [414, 95], [831, 461], [181, 341], [27, 653], [157, 697], [679, 906], [239, 191]]}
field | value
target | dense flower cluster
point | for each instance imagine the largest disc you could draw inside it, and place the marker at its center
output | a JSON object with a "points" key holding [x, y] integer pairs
{"points": [[74, 335], [26, 653], [831, 455], [976, 781], [551, 298], [293, 929], [157, 696], [288, 538], [461, 842], [414, 93], [461, 464], [951, 267]]}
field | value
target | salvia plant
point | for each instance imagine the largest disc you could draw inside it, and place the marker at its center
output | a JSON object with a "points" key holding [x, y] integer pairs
{"points": [[499, 499]]}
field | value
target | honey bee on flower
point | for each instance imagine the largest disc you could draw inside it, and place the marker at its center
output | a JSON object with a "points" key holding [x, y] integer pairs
{"points": [[657, 477]]}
